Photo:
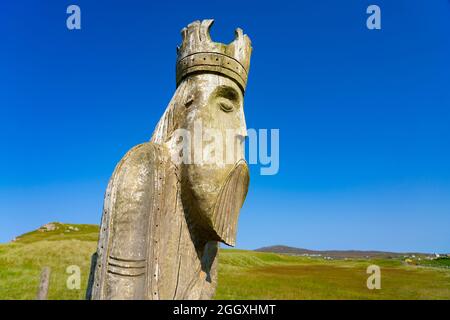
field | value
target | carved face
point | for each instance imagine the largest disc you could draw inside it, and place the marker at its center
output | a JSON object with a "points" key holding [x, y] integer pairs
{"points": [[215, 180]]}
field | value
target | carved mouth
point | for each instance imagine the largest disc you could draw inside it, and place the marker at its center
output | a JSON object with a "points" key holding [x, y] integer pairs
{"points": [[229, 202]]}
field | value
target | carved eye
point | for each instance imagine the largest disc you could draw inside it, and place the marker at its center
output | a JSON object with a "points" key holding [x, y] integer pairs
{"points": [[189, 102], [226, 106], [226, 98]]}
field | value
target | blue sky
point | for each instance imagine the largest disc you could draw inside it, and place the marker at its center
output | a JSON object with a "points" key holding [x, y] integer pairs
{"points": [[363, 115]]}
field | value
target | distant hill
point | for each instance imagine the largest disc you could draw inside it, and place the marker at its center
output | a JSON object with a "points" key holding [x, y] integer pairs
{"points": [[337, 254], [55, 231]]}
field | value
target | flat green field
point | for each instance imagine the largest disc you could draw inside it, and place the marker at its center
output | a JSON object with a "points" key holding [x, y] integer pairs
{"points": [[242, 274]]}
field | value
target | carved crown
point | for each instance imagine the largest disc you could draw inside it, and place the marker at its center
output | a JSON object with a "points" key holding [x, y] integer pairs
{"points": [[198, 53]]}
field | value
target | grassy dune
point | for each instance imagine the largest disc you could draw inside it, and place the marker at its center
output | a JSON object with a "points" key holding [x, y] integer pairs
{"points": [[242, 274]]}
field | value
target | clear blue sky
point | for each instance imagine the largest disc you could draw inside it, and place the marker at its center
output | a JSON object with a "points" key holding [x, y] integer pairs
{"points": [[364, 116]]}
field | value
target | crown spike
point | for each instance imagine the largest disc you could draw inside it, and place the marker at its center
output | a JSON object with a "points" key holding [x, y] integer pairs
{"points": [[183, 35], [193, 37], [205, 28], [193, 24], [238, 34]]}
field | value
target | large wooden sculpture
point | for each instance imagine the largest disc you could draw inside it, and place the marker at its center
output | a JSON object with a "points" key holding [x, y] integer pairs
{"points": [[170, 201]]}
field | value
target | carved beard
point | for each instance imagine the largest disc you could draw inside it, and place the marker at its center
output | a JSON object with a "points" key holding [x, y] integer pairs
{"points": [[215, 214], [229, 202]]}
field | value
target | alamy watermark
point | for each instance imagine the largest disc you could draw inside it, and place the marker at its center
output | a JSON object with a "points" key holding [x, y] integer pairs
{"points": [[210, 146], [374, 280], [73, 21], [73, 281], [374, 20]]}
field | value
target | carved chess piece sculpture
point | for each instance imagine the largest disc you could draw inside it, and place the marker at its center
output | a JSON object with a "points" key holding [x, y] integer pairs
{"points": [[168, 204]]}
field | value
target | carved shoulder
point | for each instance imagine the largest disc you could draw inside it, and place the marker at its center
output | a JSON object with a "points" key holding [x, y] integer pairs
{"points": [[130, 201]]}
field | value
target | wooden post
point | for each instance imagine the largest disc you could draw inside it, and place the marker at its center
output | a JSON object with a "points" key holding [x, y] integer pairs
{"points": [[43, 285]]}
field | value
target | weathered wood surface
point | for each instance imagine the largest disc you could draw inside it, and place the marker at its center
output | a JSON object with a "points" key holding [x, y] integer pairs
{"points": [[163, 219]]}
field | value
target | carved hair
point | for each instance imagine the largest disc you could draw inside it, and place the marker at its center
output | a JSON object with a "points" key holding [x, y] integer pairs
{"points": [[170, 118]]}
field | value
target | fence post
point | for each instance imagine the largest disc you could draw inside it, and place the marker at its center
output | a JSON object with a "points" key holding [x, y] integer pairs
{"points": [[43, 285]]}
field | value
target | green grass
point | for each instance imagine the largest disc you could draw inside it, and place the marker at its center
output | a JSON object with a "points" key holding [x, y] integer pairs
{"points": [[242, 274], [21, 264], [253, 275], [437, 263]]}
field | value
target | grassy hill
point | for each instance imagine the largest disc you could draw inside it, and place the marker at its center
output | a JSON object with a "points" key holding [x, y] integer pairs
{"points": [[242, 274], [56, 231]]}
